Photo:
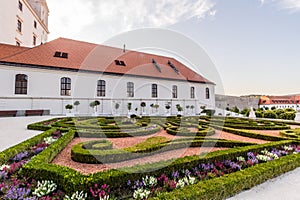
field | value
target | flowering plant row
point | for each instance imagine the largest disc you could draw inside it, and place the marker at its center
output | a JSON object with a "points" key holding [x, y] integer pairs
{"points": [[15, 187]]}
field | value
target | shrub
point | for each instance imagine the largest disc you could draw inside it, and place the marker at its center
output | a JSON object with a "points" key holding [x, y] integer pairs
{"points": [[270, 114]]}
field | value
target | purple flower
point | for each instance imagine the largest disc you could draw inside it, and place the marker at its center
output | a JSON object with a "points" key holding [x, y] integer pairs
{"points": [[3, 175], [17, 193], [38, 150], [187, 172], [20, 156], [175, 175], [128, 183]]}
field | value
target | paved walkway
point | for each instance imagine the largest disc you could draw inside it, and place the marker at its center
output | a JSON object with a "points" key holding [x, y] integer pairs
{"points": [[13, 131]]}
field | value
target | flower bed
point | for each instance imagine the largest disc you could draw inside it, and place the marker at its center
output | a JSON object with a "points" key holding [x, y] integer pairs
{"points": [[215, 176]]}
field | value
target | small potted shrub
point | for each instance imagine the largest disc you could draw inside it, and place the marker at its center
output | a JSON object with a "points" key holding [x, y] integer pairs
{"points": [[117, 106], [179, 109], [69, 107], [94, 105], [143, 105], [168, 107], [76, 104]]}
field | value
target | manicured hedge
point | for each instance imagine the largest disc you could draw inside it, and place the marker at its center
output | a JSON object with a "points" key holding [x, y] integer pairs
{"points": [[231, 184], [43, 125], [24, 146], [250, 134], [70, 180], [91, 156], [202, 131], [291, 133], [115, 133], [97, 145]]}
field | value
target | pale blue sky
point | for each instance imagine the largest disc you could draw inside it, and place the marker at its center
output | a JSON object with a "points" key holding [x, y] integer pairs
{"points": [[255, 45]]}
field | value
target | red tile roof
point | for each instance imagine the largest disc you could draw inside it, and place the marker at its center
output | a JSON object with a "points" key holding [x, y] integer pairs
{"points": [[9, 50], [270, 100], [100, 58]]}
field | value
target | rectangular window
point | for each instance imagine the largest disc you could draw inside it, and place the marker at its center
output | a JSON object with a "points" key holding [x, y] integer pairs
{"points": [[174, 91], [130, 89], [154, 90], [21, 84], [20, 6], [101, 88], [192, 93], [19, 26], [34, 24], [65, 89], [34, 40]]}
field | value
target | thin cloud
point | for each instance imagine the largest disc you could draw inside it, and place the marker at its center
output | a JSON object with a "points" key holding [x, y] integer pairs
{"points": [[292, 5], [101, 19]]}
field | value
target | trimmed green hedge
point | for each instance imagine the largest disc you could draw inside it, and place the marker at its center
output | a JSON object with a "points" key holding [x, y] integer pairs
{"points": [[91, 156], [116, 133], [202, 131], [24, 146], [250, 134], [292, 133], [97, 145], [70, 180], [231, 184]]}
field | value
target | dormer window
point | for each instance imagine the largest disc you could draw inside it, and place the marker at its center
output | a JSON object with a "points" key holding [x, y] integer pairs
{"points": [[120, 63], [59, 54]]}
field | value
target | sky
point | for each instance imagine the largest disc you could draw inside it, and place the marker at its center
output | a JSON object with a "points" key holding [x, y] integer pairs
{"points": [[254, 44]]}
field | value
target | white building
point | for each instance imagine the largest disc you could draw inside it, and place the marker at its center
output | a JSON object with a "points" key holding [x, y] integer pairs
{"points": [[280, 102], [59, 72], [24, 22]]}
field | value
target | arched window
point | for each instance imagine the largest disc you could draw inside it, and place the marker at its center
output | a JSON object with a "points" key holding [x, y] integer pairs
{"points": [[207, 93], [101, 88], [154, 90], [130, 89], [192, 92], [174, 91], [65, 86], [21, 83]]}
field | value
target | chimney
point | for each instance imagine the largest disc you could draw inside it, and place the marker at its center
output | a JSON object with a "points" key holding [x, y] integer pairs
{"points": [[124, 49]]}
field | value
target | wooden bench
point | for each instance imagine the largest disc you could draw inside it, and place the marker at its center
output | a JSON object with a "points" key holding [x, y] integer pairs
{"points": [[8, 113], [34, 112]]}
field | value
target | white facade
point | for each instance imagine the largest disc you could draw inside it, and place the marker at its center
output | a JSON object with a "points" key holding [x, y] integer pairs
{"points": [[44, 87], [280, 106], [23, 20]]}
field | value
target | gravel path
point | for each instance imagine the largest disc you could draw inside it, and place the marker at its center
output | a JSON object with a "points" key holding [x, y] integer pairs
{"points": [[230, 136], [64, 158]]}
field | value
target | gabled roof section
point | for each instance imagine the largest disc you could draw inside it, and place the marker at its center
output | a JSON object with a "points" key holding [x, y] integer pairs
{"points": [[7, 50], [100, 58]]}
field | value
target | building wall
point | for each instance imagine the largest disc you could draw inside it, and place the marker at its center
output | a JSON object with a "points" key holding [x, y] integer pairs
{"points": [[9, 15], [44, 92], [280, 106], [223, 101]]}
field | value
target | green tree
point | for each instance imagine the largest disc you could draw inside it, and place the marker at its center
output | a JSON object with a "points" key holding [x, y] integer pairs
{"points": [[69, 107], [76, 104]]}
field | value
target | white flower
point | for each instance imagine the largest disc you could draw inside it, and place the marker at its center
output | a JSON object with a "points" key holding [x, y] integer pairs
{"points": [[76, 196], [149, 181], [288, 148], [180, 183], [141, 193], [263, 158], [104, 198], [4, 166], [44, 188], [241, 159], [49, 140]]}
